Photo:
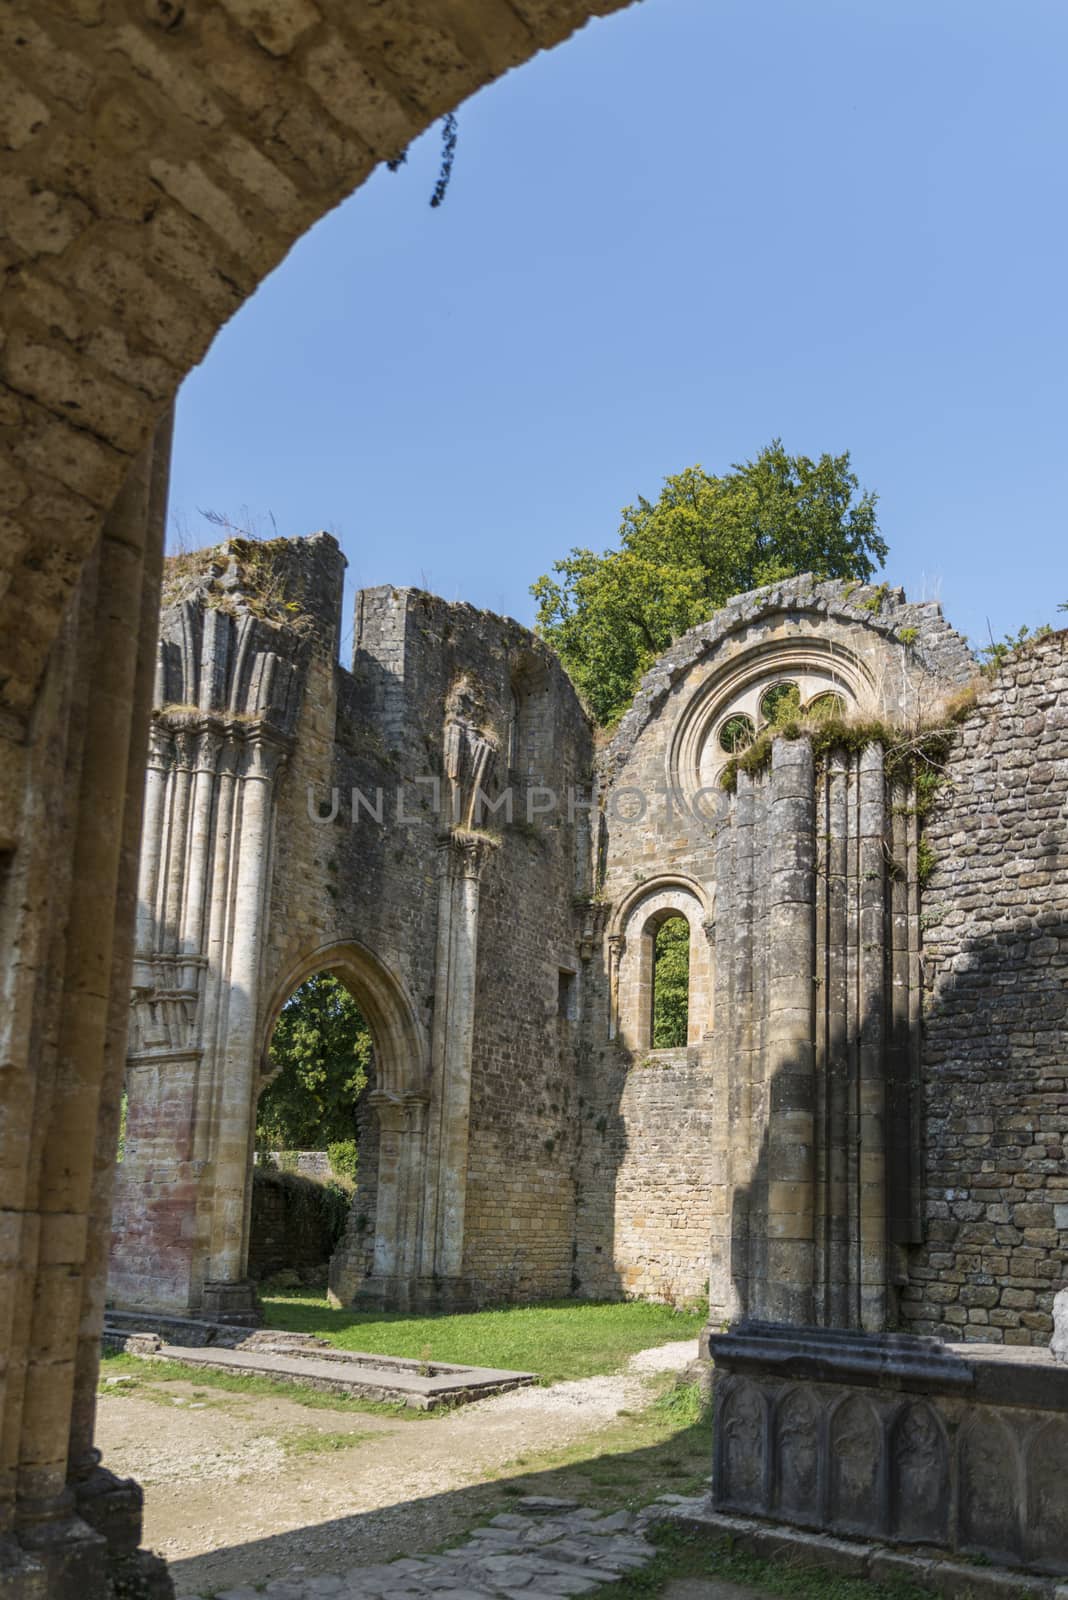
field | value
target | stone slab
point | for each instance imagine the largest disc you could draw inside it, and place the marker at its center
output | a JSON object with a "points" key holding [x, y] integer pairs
{"points": [[356, 1374]]}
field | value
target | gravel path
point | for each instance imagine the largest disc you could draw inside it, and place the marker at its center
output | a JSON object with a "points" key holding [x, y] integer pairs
{"points": [[236, 1498]]}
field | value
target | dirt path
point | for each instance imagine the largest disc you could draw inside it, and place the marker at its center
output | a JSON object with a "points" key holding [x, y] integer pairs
{"points": [[241, 1489]]}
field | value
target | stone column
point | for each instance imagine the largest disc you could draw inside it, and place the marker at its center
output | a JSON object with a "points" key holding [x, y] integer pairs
{"points": [[160, 757], [93, 955], [790, 1064], [872, 1073], [617, 945], [462, 862], [835, 1000], [191, 934], [402, 1130], [110, 1505], [225, 1292], [181, 782]]}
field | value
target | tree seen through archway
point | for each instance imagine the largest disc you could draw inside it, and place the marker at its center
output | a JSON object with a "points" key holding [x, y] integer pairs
{"points": [[322, 1050], [671, 984]]}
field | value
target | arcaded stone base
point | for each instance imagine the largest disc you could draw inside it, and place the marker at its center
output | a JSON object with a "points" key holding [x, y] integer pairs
{"points": [[858, 1558], [891, 1437]]}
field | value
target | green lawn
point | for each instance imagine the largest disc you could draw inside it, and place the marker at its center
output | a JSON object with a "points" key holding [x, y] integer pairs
{"points": [[562, 1339]]}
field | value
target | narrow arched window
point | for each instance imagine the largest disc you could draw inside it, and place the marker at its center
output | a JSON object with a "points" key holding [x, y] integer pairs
{"points": [[670, 1001], [513, 731]]}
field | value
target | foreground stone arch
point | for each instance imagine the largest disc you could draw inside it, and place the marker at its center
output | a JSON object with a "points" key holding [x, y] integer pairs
{"points": [[156, 161]]}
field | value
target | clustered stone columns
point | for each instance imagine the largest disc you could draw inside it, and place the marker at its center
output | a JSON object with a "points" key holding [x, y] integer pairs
{"points": [[229, 685], [423, 1142], [818, 983], [181, 1224], [67, 1526]]}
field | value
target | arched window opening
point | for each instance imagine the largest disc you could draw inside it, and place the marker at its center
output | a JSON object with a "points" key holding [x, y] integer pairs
{"points": [[781, 702], [737, 734], [307, 1124], [513, 731], [670, 1018], [826, 706]]}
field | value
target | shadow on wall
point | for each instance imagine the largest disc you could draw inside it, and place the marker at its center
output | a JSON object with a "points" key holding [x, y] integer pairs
{"points": [[816, 1236]]}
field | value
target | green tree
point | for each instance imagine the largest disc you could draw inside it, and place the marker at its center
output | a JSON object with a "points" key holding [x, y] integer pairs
{"points": [[671, 984], [322, 1048], [679, 559]]}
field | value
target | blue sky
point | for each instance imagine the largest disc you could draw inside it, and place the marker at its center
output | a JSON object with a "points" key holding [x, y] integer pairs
{"points": [[696, 225]]}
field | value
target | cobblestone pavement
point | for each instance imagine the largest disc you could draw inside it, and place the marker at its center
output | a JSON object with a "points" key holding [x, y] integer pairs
{"points": [[545, 1547]]}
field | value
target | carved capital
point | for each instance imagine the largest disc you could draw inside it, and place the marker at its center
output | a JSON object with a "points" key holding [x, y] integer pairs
{"points": [[398, 1113], [209, 743], [263, 757], [185, 749], [708, 928], [464, 854], [160, 747], [593, 915]]}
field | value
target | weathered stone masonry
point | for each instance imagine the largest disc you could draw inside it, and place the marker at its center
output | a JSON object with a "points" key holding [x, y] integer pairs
{"points": [[300, 817], [995, 939], [522, 1136], [155, 163]]}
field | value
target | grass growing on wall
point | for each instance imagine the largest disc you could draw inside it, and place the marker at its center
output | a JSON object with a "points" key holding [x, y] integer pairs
{"points": [[562, 1339]]}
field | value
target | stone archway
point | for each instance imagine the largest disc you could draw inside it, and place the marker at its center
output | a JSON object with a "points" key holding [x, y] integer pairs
{"points": [[398, 1103], [157, 163]]}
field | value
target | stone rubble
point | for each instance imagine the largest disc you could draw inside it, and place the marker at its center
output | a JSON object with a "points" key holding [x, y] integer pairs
{"points": [[543, 1550]]}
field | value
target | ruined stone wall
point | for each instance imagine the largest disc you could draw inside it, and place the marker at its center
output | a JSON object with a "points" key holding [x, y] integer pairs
{"points": [[371, 858], [995, 1062], [647, 1173], [292, 1228], [666, 1174]]}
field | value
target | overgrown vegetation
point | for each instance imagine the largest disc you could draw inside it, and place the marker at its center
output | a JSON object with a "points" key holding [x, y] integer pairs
{"points": [[708, 537], [251, 577], [916, 754], [561, 1339], [324, 1205]]}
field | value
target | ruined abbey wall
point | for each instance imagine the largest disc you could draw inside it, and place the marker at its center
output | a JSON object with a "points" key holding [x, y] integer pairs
{"points": [[674, 1139], [304, 817], [996, 951], [433, 825]]}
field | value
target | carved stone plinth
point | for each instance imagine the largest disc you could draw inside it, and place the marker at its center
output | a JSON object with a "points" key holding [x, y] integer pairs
{"points": [[890, 1437]]}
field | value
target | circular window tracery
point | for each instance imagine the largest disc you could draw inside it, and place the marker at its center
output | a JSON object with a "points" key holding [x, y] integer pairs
{"points": [[826, 705], [736, 734], [773, 682], [781, 702]]}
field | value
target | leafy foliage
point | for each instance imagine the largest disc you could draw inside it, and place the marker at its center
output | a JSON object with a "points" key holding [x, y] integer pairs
{"points": [[342, 1155], [996, 653], [322, 1048], [679, 559], [671, 984]]}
